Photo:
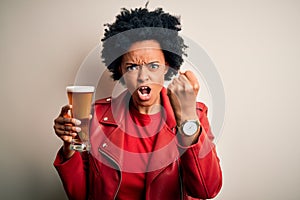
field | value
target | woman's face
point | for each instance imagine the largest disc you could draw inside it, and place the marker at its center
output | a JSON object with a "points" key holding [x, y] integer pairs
{"points": [[143, 69]]}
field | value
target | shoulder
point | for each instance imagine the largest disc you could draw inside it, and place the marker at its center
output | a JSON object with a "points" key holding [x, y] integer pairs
{"points": [[106, 106], [101, 106], [107, 100], [103, 101]]}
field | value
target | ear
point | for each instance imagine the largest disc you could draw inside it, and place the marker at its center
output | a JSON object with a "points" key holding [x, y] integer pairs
{"points": [[166, 68], [120, 69], [121, 73]]}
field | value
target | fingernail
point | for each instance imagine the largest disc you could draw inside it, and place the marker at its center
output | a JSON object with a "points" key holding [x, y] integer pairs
{"points": [[181, 71], [78, 129], [77, 122]]}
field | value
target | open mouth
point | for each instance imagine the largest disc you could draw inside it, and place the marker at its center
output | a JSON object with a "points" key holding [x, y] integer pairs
{"points": [[144, 92]]}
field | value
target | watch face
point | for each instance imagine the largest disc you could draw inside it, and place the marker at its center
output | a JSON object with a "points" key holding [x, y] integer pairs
{"points": [[190, 128]]}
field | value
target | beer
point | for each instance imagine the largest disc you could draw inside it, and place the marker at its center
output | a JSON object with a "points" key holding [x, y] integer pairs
{"points": [[80, 97]]}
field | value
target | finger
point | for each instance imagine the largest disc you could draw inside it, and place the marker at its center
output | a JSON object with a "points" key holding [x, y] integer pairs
{"points": [[169, 90], [64, 110], [67, 128], [178, 80], [64, 120], [171, 86], [62, 133], [183, 79], [182, 84], [193, 80], [62, 127]]}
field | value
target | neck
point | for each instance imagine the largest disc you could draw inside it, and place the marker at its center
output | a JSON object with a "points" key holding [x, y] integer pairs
{"points": [[150, 110], [146, 109]]}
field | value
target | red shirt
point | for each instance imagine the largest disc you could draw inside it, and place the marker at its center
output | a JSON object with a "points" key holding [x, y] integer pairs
{"points": [[140, 137]]}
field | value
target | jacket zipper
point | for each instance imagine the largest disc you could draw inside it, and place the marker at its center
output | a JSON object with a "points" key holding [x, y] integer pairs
{"points": [[115, 162]]}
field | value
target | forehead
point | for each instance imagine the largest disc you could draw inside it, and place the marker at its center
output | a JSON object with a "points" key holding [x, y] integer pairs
{"points": [[144, 51]]}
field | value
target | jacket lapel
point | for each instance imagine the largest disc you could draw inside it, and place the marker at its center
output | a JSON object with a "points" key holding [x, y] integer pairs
{"points": [[109, 136]]}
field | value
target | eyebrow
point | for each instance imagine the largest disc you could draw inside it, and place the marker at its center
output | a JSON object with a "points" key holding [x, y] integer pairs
{"points": [[137, 64]]}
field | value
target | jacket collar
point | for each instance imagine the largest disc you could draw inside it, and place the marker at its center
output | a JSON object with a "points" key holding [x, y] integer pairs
{"points": [[111, 143], [120, 105]]}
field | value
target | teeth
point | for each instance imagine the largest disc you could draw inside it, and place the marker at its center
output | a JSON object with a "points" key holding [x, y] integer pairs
{"points": [[144, 90]]}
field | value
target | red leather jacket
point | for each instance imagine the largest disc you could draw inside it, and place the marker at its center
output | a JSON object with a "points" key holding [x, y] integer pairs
{"points": [[176, 172]]}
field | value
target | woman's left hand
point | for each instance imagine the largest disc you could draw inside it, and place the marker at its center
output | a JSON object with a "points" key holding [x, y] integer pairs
{"points": [[182, 92]]}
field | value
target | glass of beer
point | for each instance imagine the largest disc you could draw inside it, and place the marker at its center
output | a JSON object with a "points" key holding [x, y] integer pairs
{"points": [[80, 97]]}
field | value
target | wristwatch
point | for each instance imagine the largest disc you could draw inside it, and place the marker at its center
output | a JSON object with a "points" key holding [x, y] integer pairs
{"points": [[189, 127]]}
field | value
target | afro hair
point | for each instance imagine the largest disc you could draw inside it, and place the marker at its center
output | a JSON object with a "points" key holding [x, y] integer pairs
{"points": [[141, 24]]}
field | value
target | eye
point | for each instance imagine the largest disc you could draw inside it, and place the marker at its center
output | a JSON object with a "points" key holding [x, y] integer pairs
{"points": [[153, 66], [131, 68]]}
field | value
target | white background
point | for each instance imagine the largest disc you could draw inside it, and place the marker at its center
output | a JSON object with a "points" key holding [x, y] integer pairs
{"points": [[255, 46]]}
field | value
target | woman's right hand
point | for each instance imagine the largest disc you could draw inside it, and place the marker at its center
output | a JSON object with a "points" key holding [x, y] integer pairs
{"points": [[66, 128]]}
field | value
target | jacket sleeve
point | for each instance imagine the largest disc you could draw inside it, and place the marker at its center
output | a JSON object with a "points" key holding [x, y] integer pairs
{"points": [[202, 175], [72, 173]]}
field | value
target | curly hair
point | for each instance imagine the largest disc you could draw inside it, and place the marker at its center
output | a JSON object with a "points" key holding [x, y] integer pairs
{"points": [[141, 24]]}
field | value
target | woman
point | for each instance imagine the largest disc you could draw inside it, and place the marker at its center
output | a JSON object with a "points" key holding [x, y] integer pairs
{"points": [[149, 142]]}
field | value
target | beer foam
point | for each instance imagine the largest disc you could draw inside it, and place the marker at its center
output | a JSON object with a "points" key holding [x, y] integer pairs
{"points": [[80, 89]]}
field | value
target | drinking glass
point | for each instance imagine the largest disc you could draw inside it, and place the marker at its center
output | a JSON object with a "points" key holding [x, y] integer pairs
{"points": [[80, 97]]}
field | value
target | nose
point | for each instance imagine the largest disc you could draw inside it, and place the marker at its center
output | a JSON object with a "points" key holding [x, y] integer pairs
{"points": [[143, 74]]}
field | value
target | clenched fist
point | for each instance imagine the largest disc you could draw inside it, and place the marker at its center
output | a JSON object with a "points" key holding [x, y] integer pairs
{"points": [[182, 92]]}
